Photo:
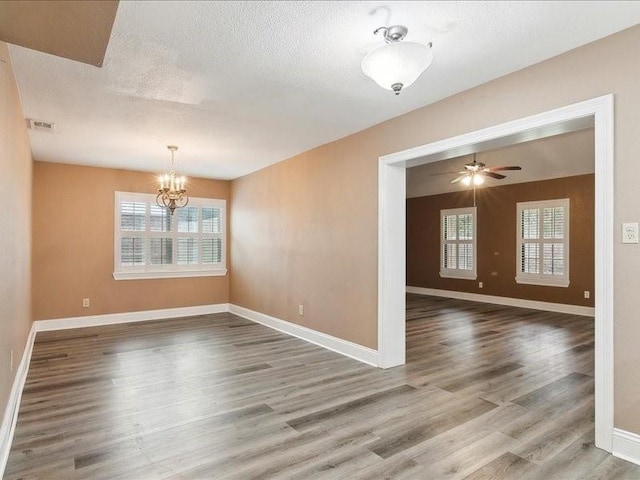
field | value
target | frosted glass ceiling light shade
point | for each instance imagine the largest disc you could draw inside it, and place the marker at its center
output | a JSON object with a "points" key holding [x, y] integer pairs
{"points": [[397, 64]]}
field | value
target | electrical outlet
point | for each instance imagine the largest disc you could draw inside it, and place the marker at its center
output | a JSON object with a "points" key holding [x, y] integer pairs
{"points": [[587, 294], [480, 285], [85, 303], [630, 232], [300, 309]]}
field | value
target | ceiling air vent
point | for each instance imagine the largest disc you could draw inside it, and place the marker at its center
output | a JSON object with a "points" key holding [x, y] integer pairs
{"points": [[41, 125]]}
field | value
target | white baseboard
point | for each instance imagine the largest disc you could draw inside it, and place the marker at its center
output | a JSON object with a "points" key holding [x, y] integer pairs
{"points": [[128, 317], [11, 412], [512, 302], [344, 347], [626, 445]]}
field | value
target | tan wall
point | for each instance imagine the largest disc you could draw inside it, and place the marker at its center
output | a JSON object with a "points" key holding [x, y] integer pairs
{"points": [[299, 238], [15, 228], [497, 233], [73, 228], [306, 229]]}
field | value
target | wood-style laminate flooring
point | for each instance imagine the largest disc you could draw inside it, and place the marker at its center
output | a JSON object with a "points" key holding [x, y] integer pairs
{"points": [[488, 392]]}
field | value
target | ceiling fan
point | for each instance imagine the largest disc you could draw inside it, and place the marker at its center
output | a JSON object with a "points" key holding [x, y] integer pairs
{"points": [[475, 172]]}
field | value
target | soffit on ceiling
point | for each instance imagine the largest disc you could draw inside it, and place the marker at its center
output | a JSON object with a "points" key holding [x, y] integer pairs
{"points": [[558, 156], [241, 85], [77, 30]]}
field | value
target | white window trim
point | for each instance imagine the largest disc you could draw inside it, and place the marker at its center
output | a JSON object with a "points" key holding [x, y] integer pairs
{"points": [[167, 271], [542, 279], [454, 272]]}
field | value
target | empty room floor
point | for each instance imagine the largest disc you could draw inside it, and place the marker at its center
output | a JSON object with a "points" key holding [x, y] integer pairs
{"points": [[488, 392]]}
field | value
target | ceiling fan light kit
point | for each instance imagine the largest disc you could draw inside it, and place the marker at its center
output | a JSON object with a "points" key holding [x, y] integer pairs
{"points": [[397, 64], [475, 178], [475, 172]]}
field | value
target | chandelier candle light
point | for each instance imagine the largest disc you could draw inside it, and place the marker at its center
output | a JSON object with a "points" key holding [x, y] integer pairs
{"points": [[397, 64], [172, 193]]}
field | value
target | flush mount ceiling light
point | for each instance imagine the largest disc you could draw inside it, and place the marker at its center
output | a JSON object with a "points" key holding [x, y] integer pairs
{"points": [[172, 192], [397, 64]]}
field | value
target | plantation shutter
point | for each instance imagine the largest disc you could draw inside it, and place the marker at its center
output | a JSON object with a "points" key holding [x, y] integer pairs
{"points": [[465, 245], [160, 241], [150, 239], [450, 251], [133, 216], [458, 243], [553, 236], [543, 241], [542, 253], [211, 235]]}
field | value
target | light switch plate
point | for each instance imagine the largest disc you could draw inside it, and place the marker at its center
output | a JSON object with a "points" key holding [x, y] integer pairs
{"points": [[630, 232]]}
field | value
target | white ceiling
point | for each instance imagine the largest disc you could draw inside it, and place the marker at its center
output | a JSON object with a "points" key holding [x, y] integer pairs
{"points": [[551, 157], [241, 85]]}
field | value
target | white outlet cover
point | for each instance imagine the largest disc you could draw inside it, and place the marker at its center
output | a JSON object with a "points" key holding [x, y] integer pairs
{"points": [[630, 232]]}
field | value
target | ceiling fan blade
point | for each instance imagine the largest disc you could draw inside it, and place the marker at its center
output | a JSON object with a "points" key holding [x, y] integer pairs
{"points": [[459, 178], [497, 169], [492, 175]]}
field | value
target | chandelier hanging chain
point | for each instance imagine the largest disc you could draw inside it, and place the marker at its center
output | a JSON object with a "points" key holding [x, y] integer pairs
{"points": [[173, 151]]}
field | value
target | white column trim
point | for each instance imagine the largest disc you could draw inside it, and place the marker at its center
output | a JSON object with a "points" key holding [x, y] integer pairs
{"points": [[391, 269], [604, 228]]}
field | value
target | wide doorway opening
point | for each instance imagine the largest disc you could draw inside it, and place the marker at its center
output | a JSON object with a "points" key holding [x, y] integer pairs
{"points": [[597, 114]]}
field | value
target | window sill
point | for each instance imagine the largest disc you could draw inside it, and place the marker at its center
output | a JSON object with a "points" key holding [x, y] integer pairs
{"points": [[172, 274], [543, 282], [459, 276]]}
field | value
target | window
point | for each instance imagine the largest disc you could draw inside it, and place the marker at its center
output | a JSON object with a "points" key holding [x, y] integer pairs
{"points": [[152, 243], [543, 243], [458, 243]]}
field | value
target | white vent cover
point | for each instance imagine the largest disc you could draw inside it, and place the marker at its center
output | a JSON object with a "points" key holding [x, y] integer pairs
{"points": [[41, 125]]}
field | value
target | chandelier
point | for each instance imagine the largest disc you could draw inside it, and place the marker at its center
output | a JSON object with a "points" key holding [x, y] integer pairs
{"points": [[397, 64], [172, 193]]}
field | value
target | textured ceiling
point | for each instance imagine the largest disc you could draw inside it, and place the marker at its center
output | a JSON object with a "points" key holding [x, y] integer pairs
{"points": [[241, 85], [552, 157]]}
